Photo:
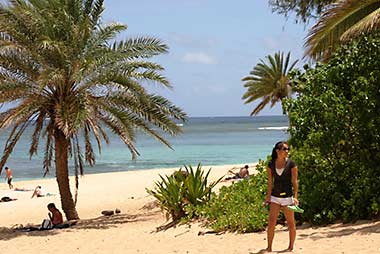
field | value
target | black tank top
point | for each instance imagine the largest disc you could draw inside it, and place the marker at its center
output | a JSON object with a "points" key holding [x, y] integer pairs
{"points": [[282, 184]]}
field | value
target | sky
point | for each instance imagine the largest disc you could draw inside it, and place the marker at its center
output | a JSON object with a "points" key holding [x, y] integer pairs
{"points": [[213, 44]]}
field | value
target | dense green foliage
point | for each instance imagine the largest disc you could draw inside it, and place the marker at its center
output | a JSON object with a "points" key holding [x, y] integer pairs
{"points": [[239, 207], [335, 135], [183, 188]]}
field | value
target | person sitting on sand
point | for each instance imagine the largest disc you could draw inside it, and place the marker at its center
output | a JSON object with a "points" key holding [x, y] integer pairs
{"points": [[242, 174], [55, 215], [38, 192], [55, 218]]}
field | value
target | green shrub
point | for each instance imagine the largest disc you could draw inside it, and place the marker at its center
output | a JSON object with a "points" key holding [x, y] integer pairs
{"points": [[239, 207], [169, 194], [335, 135], [182, 189]]}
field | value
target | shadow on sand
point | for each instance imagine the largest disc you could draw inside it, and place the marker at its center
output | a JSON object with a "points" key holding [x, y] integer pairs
{"points": [[102, 222], [361, 227]]}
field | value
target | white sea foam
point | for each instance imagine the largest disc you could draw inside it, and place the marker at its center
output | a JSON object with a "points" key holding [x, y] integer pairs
{"points": [[277, 128]]}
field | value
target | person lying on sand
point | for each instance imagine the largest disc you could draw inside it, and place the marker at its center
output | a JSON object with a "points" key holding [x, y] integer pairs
{"points": [[22, 189], [7, 199], [242, 174]]}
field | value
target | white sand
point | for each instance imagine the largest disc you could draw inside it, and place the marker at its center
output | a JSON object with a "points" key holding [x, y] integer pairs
{"points": [[133, 231]]}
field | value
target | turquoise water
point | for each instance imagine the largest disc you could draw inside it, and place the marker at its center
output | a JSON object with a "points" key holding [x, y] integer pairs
{"points": [[208, 140]]}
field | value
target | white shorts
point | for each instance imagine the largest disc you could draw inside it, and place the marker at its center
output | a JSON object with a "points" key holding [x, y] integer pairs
{"points": [[281, 201]]}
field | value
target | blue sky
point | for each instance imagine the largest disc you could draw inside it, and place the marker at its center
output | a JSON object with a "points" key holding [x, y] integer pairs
{"points": [[213, 44]]}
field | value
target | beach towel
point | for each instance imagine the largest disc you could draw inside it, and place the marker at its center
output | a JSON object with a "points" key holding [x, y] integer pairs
{"points": [[46, 225]]}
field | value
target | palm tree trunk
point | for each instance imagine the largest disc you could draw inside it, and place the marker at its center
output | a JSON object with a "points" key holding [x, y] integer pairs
{"points": [[62, 174]]}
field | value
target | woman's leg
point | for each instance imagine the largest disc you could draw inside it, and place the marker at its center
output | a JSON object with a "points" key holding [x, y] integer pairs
{"points": [[289, 216], [274, 210]]}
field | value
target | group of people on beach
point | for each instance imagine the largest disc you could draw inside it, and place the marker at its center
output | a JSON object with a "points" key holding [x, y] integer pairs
{"points": [[37, 192], [282, 193], [55, 216]]}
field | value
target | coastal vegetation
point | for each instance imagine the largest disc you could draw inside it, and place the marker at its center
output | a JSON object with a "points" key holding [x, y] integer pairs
{"points": [[335, 134], [335, 124], [269, 81], [335, 118], [334, 121], [338, 22], [67, 75], [180, 193], [186, 195], [239, 207]]}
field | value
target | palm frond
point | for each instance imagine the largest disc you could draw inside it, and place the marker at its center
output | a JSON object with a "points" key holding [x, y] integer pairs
{"points": [[261, 105], [268, 80], [142, 47], [13, 138], [48, 155], [96, 12], [340, 17], [90, 157], [113, 126], [39, 123], [368, 24], [101, 36]]}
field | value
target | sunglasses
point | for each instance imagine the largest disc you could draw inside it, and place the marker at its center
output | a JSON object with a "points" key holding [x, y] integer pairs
{"points": [[285, 149]]}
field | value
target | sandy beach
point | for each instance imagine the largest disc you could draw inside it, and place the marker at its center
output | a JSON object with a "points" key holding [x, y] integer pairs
{"points": [[134, 229]]}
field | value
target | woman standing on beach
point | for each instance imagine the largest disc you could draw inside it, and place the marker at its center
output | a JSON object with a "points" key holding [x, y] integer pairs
{"points": [[282, 191]]}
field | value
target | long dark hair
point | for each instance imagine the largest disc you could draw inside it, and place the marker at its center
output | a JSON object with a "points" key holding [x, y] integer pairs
{"points": [[278, 145]]}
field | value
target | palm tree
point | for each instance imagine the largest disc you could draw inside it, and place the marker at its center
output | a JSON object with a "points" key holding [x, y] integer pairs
{"points": [[341, 22], [64, 74], [269, 81]]}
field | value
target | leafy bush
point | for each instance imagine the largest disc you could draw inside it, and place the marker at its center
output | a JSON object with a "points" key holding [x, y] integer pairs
{"points": [[181, 189], [239, 207], [335, 135]]}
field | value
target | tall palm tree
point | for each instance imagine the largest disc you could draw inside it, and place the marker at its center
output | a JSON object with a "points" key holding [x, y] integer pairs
{"points": [[269, 81], [342, 21], [63, 74]]}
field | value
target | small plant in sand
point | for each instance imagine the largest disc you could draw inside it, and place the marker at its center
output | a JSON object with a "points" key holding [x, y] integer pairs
{"points": [[184, 187]]}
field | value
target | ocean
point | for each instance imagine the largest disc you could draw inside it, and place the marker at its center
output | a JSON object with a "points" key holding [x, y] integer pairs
{"points": [[205, 140]]}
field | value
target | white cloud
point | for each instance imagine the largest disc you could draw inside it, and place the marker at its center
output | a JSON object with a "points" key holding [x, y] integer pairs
{"points": [[199, 57], [188, 41]]}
